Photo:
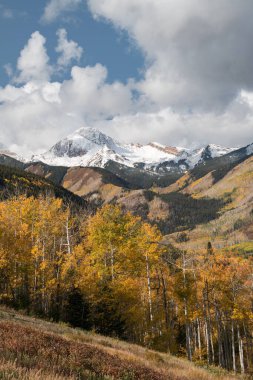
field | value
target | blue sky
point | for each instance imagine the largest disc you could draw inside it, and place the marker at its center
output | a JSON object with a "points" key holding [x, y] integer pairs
{"points": [[179, 72], [100, 40]]}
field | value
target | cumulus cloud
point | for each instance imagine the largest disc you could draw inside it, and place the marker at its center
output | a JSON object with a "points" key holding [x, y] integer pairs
{"points": [[55, 8], [36, 115], [199, 53], [39, 112], [69, 50], [232, 127], [33, 62], [88, 95], [29, 116]]}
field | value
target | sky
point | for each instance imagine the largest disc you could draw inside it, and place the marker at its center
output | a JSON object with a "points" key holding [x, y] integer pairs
{"points": [[179, 72]]}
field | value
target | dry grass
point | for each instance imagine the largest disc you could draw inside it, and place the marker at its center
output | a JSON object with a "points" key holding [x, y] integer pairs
{"points": [[34, 345], [10, 371]]}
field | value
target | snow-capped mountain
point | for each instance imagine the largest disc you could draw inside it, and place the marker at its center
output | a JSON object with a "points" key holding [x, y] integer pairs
{"points": [[90, 147], [7, 153], [197, 156]]}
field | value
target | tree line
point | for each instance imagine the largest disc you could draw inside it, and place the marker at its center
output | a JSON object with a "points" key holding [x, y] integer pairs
{"points": [[113, 273]]}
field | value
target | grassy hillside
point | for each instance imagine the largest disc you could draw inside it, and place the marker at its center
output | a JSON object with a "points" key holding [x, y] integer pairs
{"points": [[94, 182], [96, 185], [34, 349]]}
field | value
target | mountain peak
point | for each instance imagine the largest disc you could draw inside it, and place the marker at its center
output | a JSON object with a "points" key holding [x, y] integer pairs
{"points": [[92, 134], [88, 146], [87, 132], [81, 142]]}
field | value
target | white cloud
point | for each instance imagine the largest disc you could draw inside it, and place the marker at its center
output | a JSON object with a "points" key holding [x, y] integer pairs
{"points": [[33, 62], [32, 117], [199, 53], [88, 95], [233, 127], [55, 8], [35, 115], [69, 50]]}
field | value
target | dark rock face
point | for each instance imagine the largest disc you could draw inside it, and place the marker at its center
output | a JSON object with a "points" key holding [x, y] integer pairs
{"points": [[67, 148]]}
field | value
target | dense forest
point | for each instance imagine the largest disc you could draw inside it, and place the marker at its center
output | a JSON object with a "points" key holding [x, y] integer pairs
{"points": [[112, 273]]}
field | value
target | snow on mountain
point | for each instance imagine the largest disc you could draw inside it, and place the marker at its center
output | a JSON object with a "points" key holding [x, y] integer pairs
{"points": [[6, 152], [218, 151], [197, 156], [249, 149], [82, 142], [90, 147]]}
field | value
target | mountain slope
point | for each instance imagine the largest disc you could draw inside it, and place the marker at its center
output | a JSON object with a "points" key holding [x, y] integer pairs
{"points": [[234, 225], [65, 353], [10, 161], [207, 173], [95, 183], [14, 181], [54, 174]]}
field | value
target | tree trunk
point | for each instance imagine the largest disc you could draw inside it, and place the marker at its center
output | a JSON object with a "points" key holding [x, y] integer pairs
{"points": [[165, 301], [240, 347], [199, 339], [68, 237], [187, 325], [233, 346], [149, 291]]}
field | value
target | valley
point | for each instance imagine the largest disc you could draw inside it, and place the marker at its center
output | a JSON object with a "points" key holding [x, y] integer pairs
{"points": [[85, 245]]}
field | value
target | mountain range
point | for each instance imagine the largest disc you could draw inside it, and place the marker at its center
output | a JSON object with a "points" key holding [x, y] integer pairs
{"points": [[89, 147], [204, 193]]}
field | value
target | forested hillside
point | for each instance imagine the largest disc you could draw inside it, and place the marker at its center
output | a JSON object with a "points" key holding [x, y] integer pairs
{"points": [[114, 274]]}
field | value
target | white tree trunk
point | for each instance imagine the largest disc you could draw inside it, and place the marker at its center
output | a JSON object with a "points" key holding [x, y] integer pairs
{"points": [[240, 346]]}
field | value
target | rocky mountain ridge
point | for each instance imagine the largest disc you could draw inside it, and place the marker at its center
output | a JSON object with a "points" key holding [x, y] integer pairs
{"points": [[89, 147]]}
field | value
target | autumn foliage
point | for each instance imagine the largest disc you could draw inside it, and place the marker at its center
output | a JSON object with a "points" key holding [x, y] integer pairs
{"points": [[112, 273]]}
